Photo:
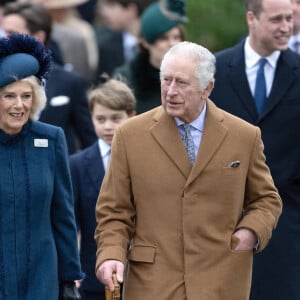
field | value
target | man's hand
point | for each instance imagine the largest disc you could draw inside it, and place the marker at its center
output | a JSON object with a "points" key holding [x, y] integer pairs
{"points": [[247, 239], [105, 271]]}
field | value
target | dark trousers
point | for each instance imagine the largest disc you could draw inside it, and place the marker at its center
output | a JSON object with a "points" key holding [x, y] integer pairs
{"points": [[86, 295]]}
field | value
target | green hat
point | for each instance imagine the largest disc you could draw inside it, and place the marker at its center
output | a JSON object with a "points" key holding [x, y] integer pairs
{"points": [[161, 17]]}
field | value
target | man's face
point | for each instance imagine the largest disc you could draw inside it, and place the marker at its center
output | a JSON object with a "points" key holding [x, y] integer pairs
{"points": [[180, 91], [14, 24], [271, 30]]}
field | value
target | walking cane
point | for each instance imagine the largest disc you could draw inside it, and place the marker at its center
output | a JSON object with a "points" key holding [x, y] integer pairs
{"points": [[115, 295]]}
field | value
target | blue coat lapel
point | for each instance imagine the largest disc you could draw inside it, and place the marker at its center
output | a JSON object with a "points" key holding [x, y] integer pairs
{"points": [[93, 166]]}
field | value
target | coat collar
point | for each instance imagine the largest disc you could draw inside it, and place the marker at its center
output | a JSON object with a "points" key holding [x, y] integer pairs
{"points": [[166, 134], [93, 165]]}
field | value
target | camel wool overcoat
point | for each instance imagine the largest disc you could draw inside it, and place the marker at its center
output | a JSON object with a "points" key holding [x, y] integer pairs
{"points": [[172, 224]]}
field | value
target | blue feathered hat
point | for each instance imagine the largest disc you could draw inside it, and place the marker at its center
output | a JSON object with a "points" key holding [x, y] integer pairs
{"points": [[22, 56]]}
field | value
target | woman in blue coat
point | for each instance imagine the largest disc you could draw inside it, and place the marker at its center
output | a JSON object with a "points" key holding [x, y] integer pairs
{"points": [[38, 247]]}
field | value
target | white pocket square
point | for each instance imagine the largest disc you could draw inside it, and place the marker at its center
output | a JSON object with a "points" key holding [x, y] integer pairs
{"points": [[59, 100], [234, 164]]}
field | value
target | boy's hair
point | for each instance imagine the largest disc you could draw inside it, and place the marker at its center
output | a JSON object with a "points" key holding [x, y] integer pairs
{"points": [[113, 94]]}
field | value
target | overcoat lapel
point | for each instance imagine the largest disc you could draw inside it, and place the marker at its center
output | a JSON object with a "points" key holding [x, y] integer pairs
{"points": [[284, 73], [94, 166], [239, 81], [212, 138], [166, 133]]}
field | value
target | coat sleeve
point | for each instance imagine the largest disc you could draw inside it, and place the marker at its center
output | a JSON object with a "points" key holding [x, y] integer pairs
{"points": [[62, 215], [263, 204], [115, 210]]}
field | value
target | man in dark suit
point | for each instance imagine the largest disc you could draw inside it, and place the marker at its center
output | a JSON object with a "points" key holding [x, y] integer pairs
{"points": [[276, 271], [66, 91]]}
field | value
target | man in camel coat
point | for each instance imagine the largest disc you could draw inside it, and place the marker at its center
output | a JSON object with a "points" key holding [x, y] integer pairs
{"points": [[184, 229]]}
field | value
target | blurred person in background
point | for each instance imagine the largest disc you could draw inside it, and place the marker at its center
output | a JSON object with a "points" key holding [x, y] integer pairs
{"points": [[71, 42], [2, 4], [161, 28], [66, 90], [64, 13], [118, 33], [88, 11], [294, 42]]}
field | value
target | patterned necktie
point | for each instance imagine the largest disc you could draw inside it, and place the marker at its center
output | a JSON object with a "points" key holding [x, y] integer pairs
{"points": [[260, 92], [188, 142]]}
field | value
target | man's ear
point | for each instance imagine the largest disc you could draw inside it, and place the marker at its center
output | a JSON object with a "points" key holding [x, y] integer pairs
{"points": [[209, 88], [250, 18]]}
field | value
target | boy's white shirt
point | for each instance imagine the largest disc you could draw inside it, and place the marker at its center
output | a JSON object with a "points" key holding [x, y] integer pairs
{"points": [[105, 152]]}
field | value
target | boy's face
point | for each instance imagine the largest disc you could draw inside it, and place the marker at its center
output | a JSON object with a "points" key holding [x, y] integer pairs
{"points": [[106, 121]]}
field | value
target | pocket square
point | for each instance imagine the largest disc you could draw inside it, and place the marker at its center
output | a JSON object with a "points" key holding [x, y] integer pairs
{"points": [[59, 100], [234, 164]]}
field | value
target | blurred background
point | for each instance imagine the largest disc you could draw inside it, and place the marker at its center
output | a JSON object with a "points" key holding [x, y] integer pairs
{"points": [[216, 24]]}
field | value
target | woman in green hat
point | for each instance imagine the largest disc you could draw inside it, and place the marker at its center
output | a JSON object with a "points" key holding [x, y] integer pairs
{"points": [[161, 28]]}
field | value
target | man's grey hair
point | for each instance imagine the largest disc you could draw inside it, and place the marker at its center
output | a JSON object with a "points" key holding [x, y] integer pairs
{"points": [[205, 66]]}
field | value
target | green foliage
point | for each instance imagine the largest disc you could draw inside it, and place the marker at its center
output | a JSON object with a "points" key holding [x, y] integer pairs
{"points": [[216, 24]]}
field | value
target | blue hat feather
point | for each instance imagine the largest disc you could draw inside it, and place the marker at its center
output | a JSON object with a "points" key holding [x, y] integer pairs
{"points": [[22, 56]]}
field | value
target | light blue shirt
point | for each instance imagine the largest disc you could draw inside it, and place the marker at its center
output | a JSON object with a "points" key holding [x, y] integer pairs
{"points": [[197, 128]]}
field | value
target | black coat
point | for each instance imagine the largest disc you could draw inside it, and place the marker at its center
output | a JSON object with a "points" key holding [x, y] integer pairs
{"points": [[276, 272], [67, 107], [144, 80]]}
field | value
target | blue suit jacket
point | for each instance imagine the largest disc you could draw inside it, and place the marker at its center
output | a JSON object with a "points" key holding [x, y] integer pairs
{"points": [[70, 111], [276, 271], [87, 173]]}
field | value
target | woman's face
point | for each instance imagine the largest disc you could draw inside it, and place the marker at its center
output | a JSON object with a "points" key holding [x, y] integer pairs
{"points": [[15, 106], [161, 45]]}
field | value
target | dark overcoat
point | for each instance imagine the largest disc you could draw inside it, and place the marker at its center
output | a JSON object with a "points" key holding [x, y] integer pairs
{"points": [[276, 272], [67, 108]]}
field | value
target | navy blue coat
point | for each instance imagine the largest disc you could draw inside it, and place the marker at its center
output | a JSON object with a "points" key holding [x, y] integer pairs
{"points": [[276, 272], [38, 245], [67, 108], [87, 172]]}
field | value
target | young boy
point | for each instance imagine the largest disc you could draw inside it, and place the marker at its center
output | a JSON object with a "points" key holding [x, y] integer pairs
{"points": [[110, 105]]}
